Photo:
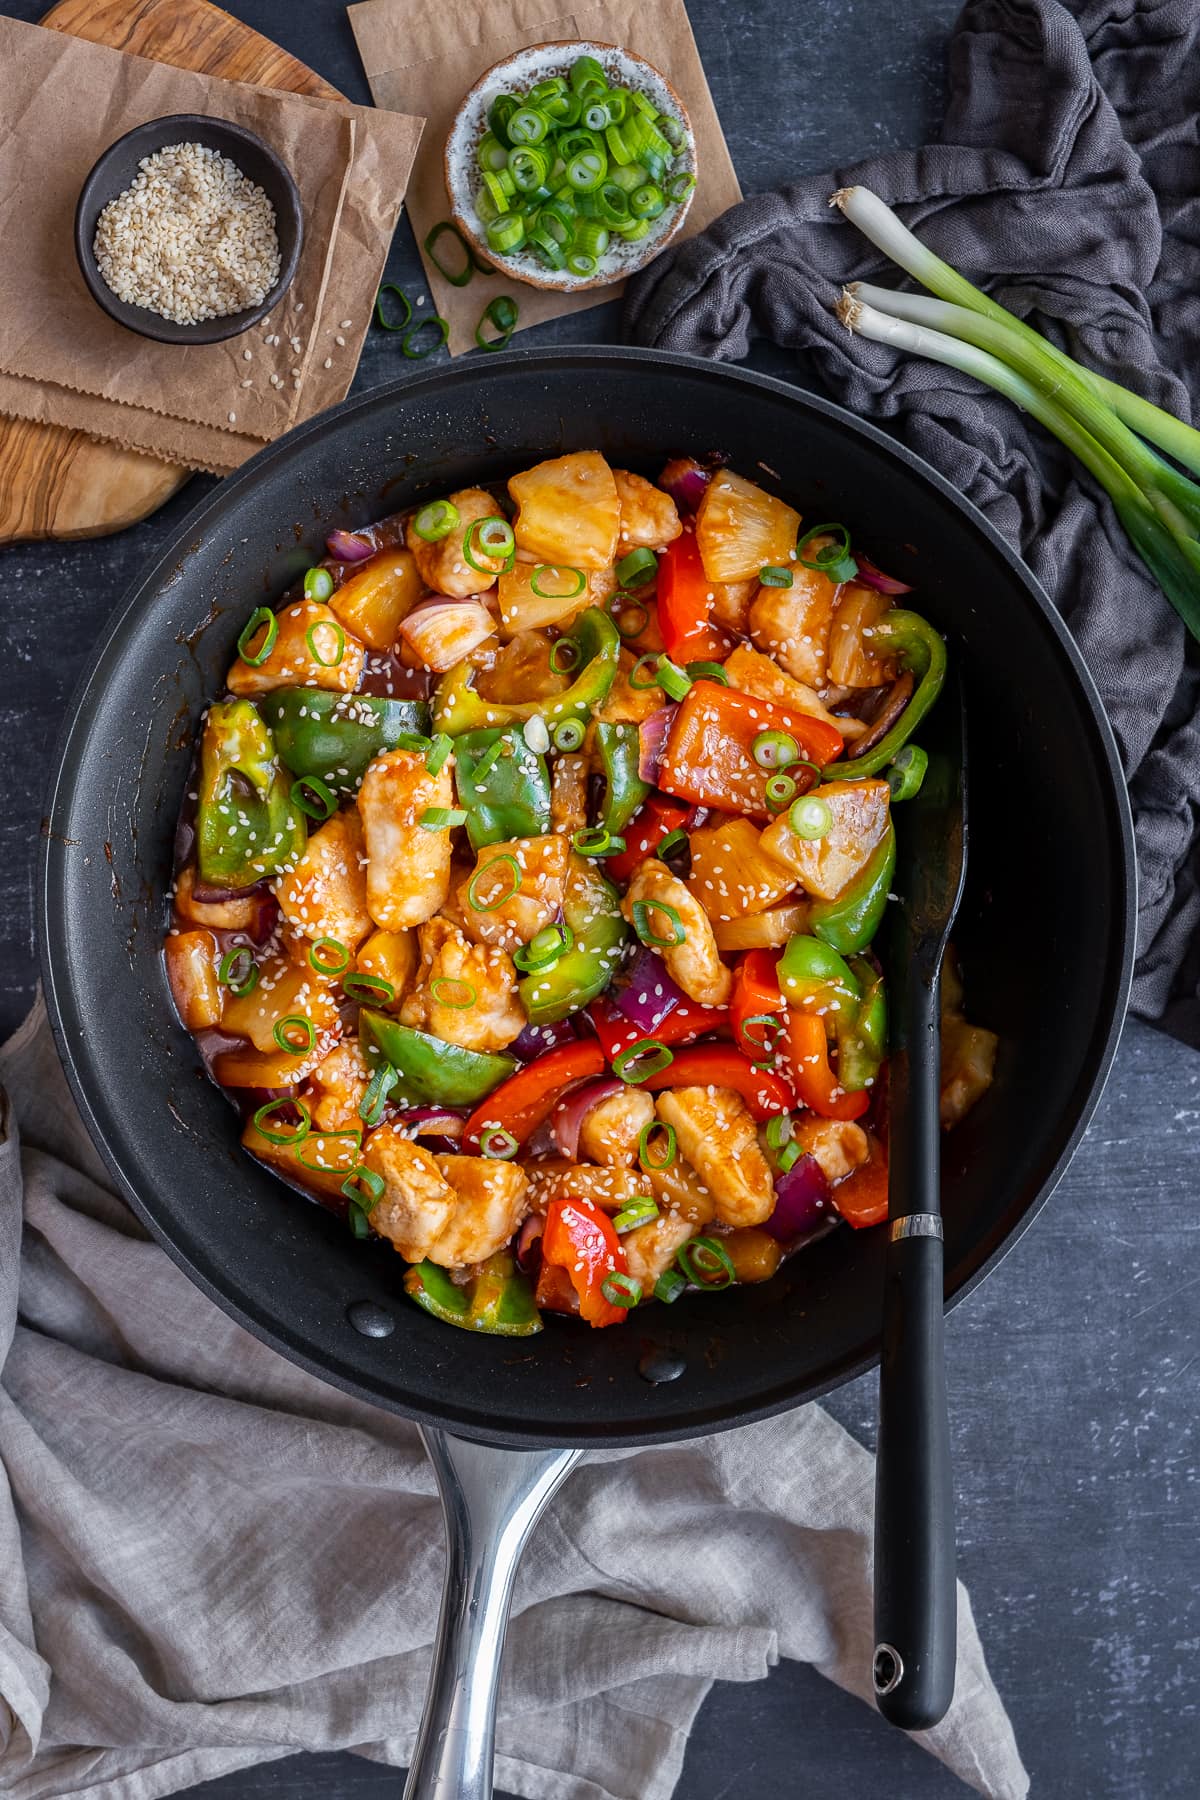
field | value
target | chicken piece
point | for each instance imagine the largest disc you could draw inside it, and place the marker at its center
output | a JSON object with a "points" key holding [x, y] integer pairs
{"points": [[649, 518], [968, 1066], [311, 649], [852, 662], [243, 913], [611, 1187], [491, 1197], [393, 956], [837, 1146], [752, 673], [625, 704], [408, 868], [825, 866], [417, 1203], [610, 1130], [732, 875], [285, 991], [569, 511], [466, 994], [651, 1249], [730, 604], [335, 1088], [695, 964], [716, 1133], [325, 893], [678, 1189], [569, 794], [442, 566], [191, 959], [793, 624], [319, 1162], [542, 866]]}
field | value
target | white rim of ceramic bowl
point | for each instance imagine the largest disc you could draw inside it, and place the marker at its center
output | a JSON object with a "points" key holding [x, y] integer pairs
{"points": [[518, 72]]}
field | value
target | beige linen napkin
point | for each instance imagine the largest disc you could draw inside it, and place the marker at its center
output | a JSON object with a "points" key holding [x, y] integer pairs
{"points": [[210, 1559], [424, 55], [62, 360]]}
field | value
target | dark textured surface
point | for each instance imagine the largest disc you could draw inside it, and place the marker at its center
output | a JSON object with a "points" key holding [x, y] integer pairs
{"points": [[1073, 1370]]}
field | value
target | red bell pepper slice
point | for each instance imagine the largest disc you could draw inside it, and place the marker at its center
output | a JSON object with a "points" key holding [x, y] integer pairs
{"points": [[527, 1099], [579, 1238], [684, 603], [755, 1003], [685, 1021], [720, 1065], [657, 819], [862, 1199], [807, 1055], [709, 755]]}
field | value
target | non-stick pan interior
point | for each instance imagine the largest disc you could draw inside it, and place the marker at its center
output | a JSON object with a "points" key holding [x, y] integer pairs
{"points": [[1048, 819]]}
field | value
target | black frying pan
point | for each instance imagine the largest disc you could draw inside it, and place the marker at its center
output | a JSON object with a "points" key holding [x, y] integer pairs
{"points": [[1048, 972]]}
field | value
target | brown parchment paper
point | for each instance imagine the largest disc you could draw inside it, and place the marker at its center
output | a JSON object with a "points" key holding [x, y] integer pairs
{"points": [[423, 55], [63, 361]]}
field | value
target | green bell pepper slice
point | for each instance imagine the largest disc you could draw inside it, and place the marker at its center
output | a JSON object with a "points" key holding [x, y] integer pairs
{"points": [[457, 708], [814, 978], [862, 1033], [246, 825], [918, 648], [430, 1070], [503, 786], [335, 736], [851, 921], [592, 910], [624, 790], [497, 1299]]}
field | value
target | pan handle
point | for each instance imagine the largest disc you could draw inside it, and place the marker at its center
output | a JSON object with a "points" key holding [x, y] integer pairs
{"points": [[491, 1500]]}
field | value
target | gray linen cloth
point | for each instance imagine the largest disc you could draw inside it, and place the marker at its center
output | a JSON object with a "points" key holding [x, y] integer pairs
{"points": [[209, 1559], [1067, 181]]}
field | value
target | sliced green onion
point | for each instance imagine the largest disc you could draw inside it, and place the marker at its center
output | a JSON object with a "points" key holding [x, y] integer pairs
{"points": [[439, 749], [487, 762], [363, 986], [547, 248], [262, 615], [622, 611], [389, 287], [498, 863], [591, 237], [318, 584], [586, 68], [505, 236], [640, 1061], [833, 559], [314, 797], [641, 1211], [774, 749], [491, 153], [596, 841], [544, 948], [906, 772], [643, 910], [633, 229], [500, 112], [656, 1145], [339, 638], [581, 264], [411, 740], [779, 1130], [620, 1289], [569, 735], [671, 679], [357, 1219], [636, 569], [586, 171], [811, 817], [708, 671], [528, 125], [560, 591], [669, 1286], [502, 313], [770, 1025], [364, 1187], [444, 227], [496, 192], [790, 1155], [436, 520], [289, 1134], [327, 1168], [494, 539], [498, 1144], [680, 185], [781, 791], [707, 1263], [649, 665], [412, 335], [374, 1101], [328, 956], [528, 167], [442, 818], [451, 991], [239, 972], [773, 576], [296, 1034], [647, 202], [674, 840]]}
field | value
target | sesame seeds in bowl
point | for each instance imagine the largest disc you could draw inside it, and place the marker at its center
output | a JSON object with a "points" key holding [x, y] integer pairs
{"points": [[472, 206]]}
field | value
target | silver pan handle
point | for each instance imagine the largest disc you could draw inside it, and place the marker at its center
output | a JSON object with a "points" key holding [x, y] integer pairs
{"points": [[491, 1499]]}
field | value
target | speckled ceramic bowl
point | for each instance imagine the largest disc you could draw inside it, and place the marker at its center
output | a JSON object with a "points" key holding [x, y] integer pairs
{"points": [[517, 74]]}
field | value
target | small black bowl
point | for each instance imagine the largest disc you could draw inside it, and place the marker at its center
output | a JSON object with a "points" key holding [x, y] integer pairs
{"points": [[115, 171]]}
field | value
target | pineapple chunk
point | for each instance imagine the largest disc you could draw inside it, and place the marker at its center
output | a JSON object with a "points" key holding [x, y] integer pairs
{"points": [[740, 528], [393, 956], [649, 518], [372, 603], [285, 991], [732, 873], [825, 866], [523, 610], [569, 511]]}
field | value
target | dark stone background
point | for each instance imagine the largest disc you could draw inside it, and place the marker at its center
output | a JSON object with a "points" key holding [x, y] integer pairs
{"points": [[1073, 1370]]}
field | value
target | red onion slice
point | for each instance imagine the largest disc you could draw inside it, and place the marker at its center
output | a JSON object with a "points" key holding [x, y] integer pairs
{"points": [[686, 481], [529, 1244], [869, 576], [650, 994], [802, 1201], [431, 1121], [570, 1113], [652, 741], [348, 546], [535, 1040]]}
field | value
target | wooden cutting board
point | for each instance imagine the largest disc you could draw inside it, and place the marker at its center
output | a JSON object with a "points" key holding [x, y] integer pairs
{"points": [[56, 483]]}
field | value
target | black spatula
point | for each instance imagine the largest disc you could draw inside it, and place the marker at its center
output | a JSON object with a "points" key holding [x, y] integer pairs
{"points": [[915, 1608]]}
